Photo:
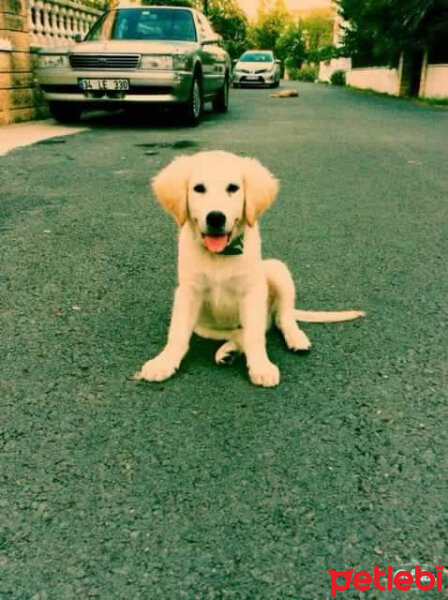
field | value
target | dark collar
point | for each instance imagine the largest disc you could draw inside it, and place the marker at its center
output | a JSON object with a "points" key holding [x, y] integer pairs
{"points": [[234, 248]]}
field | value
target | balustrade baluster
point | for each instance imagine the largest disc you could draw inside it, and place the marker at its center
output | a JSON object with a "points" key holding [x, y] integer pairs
{"points": [[46, 9], [55, 23], [32, 23]]}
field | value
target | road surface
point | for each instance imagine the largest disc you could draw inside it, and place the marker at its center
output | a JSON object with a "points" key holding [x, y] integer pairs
{"points": [[205, 487]]}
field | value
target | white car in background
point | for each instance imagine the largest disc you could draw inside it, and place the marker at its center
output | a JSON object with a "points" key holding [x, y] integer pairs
{"points": [[257, 67]]}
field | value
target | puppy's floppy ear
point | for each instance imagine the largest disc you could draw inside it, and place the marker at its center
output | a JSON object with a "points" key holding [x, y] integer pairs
{"points": [[170, 187], [260, 189]]}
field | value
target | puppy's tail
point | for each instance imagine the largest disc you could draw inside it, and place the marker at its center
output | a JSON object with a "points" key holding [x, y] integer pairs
{"points": [[311, 316]]}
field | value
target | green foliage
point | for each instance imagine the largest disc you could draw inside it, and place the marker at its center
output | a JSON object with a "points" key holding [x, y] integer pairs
{"points": [[435, 101], [290, 47], [186, 3], [306, 73], [98, 4], [271, 25], [229, 20], [318, 32], [327, 53], [380, 29], [337, 77]]}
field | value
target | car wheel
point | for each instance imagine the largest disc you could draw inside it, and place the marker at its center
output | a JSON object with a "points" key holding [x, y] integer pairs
{"points": [[277, 83], [221, 101], [194, 107], [236, 85], [65, 112]]}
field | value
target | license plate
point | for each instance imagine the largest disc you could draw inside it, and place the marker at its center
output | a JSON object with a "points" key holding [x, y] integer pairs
{"points": [[252, 78], [114, 85]]}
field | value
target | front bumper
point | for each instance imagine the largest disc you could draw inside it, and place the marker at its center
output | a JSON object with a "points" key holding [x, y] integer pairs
{"points": [[256, 79], [62, 84]]}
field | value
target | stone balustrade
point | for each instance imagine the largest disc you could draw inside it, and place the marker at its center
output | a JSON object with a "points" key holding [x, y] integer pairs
{"points": [[55, 23]]}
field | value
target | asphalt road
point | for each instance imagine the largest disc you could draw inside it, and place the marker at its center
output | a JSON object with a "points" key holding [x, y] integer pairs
{"points": [[205, 487]]}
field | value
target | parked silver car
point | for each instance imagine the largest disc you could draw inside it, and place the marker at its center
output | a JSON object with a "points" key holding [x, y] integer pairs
{"points": [[257, 67], [135, 56]]}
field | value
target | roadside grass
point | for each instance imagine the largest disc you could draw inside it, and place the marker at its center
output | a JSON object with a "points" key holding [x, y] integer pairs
{"points": [[441, 102], [435, 102]]}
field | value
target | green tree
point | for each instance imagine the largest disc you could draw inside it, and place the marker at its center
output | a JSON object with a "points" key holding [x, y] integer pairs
{"points": [[187, 3], [317, 30], [229, 20], [379, 30], [271, 25], [328, 52], [290, 47]]}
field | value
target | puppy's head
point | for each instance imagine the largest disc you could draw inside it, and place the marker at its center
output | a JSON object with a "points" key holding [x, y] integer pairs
{"points": [[217, 192]]}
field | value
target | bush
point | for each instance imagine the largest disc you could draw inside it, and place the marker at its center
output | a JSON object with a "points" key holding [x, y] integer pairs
{"points": [[337, 77], [306, 73]]}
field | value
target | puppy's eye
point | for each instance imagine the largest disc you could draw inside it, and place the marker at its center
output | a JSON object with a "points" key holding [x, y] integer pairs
{"points": [[232, 188], [199, 188]]}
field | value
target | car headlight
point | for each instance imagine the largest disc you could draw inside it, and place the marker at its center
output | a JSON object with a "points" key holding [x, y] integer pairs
{"points": [[53, 60], [181, 62], [157, 62]]}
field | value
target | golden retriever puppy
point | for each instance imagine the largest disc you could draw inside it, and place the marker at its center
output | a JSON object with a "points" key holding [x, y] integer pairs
{"points": [[226, 290]]}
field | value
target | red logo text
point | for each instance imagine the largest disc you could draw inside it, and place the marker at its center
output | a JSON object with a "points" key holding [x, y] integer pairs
{"points": [[386, 579]]}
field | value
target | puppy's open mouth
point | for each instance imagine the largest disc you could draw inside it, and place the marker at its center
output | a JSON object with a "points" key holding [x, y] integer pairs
{"points": [[215, 243]]}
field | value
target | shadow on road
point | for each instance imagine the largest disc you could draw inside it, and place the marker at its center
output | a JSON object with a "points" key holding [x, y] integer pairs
{"points": [[154, 118]]}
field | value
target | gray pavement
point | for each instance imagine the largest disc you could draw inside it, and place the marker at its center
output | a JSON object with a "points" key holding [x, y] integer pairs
{"points": [[205, 487]]}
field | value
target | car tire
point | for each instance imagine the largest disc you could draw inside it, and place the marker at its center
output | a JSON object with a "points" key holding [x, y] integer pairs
{"points": [[65, 112], [221, 101], [277, 84], [193, 109], [236, 85]]}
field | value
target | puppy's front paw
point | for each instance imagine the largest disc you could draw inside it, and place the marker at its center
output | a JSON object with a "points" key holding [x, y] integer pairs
{"points": [[157, 369], [266, 374]]}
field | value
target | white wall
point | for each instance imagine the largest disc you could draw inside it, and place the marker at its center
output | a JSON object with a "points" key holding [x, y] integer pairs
{"points": [[327, 68], [436, 84], [380, 79]]}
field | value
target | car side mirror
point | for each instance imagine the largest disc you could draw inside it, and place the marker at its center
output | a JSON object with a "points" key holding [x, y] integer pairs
{"points": [[211, 41], [277, 62], [78, 38]]}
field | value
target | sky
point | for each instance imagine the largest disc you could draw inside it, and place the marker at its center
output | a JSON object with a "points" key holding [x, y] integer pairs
{"points": [[251, 6]]}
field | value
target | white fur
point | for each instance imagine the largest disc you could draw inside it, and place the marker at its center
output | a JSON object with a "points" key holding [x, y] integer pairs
{"points": [[231, 298]]}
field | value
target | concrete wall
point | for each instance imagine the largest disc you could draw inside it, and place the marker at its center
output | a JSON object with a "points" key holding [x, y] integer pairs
{"points": [[19, 98], [327, 68], [380, 79], [436, 82]]}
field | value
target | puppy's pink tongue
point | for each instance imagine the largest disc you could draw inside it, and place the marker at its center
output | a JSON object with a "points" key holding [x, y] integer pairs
{"points": [[215, 243]]}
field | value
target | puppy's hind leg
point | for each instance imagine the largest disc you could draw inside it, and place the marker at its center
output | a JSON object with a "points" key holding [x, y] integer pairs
{"points": [[228, 352], [283, 294]]}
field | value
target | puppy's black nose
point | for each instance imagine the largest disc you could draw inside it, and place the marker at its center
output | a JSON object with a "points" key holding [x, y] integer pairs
{"points": [[216, 219]]}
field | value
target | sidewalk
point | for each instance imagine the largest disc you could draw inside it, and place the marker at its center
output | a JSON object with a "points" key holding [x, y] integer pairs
{"points": [[17, 135]]}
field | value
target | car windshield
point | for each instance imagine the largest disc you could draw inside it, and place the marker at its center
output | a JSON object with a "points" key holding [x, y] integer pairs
{"points": [[257, 57], [147, 24]]}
